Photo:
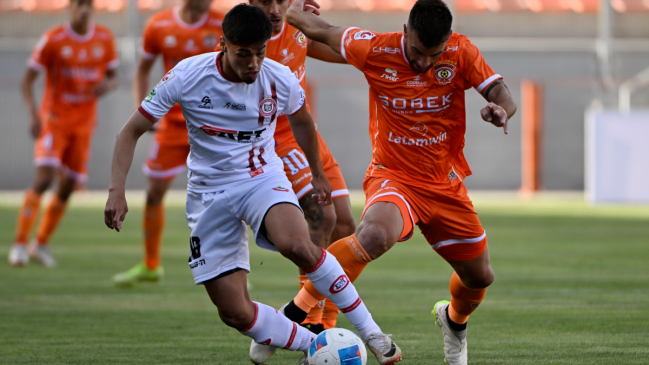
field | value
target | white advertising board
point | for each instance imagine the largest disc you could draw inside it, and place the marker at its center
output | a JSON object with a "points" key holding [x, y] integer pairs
{"points": [[617, 156]]}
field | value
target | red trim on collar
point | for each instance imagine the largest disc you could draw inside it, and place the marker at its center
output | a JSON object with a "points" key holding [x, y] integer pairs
{"points": [[218, 65]]}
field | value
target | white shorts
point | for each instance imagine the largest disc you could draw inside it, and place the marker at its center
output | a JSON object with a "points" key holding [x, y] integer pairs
{"points": [[219, 238]]}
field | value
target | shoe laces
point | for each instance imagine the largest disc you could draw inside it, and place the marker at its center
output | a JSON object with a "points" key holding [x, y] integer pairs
{"points": [[379, 341]]}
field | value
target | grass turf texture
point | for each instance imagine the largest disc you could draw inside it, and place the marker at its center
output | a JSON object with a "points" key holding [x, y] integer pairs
{"points": [[572, 287]]}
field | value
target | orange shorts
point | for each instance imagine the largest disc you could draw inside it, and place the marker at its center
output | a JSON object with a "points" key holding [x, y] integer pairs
{"points": [[298, 171], [168, 154], [67, 148], [445, 216]]}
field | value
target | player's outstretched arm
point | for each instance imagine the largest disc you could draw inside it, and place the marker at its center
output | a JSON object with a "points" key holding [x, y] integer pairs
{"points": [[307, 138], [116, 207], [323, 52], [303, 15], [27, 87], [501, 105]]}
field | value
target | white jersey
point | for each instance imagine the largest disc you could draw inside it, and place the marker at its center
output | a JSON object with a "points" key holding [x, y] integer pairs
{"points": [[230, 124]]}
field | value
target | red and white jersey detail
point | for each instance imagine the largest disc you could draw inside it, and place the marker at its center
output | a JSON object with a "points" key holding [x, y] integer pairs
{"points": [[230, 124], [417, 121], [75, 64], [166, 34]]}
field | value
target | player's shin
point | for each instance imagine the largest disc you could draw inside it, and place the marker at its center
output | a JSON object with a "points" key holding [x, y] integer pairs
{"points": [[328, 277], [153, 224], [51, 219], [27, 216], [463, 300], [270, 327]]}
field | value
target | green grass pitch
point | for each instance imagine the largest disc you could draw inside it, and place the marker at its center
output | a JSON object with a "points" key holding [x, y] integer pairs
{"points": [[572, 287]]}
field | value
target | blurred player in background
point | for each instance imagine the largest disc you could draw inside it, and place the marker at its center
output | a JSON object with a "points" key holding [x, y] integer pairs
{"points": [[80, 62], [290, 47], [184, 31], [417, 81]]}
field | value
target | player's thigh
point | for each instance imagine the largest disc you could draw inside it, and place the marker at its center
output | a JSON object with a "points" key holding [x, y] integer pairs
{"points": [[166, 159], [451, 225], [345, 222], [219, 240], [50, 146]]}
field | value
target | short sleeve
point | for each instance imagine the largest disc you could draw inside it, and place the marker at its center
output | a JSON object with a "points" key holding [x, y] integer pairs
{"points": [[476, 72], [163, 97], [41, 55], [112, 60], [150, 47], [296, 97], [355, 46]]}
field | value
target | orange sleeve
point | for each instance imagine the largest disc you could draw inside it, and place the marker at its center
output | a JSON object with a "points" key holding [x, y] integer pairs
{"points": [[150, 48], [41, 57], [355, 46], [112, 60], [475, 70]]}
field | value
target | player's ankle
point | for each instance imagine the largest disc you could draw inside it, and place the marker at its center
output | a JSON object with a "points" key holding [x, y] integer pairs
{"points": [[294, 313], [457, 327]]}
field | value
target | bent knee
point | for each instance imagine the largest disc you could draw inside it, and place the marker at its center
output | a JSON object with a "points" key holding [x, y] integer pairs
{"points": [[480, 281], [375, 240], [237, 319]]}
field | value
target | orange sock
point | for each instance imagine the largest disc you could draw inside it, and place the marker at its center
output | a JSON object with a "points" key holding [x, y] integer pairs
{"points": [[353, 259], [463, 300], [51, 219], [154, 222], [27, 216], [330, 315], [315, 314]]}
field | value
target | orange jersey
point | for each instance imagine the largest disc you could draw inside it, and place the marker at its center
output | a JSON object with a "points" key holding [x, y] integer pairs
{"points": [[168, 35], [75, 64], [417, 121], [289, 48]]}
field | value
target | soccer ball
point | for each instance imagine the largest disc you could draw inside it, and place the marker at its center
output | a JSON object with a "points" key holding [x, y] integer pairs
{"points": [[337, 346]]}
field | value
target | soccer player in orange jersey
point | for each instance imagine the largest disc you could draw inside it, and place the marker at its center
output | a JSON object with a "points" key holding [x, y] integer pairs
{"points": [[80, 61], [417, 81], [184, 31], [290, 47]]}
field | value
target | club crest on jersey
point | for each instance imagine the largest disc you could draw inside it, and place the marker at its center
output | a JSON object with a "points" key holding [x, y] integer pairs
{"points": [[267, 107], [66, 52], [300, 38], [168, 76], [170, 41], [366, 35], [98, 52], [444, 72], [280, 188], [209, 41]]}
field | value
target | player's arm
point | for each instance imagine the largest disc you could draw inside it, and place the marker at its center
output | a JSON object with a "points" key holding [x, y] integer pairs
{"points": [[323, 52], [141, 82], [27, 87], [109, 82], [307, 138], [116, 207], [302, 14], [501, 105]]}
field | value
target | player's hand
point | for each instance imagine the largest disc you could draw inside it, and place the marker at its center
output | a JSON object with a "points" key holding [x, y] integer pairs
{"points": [[101, 88], [116, 209], [307, 6], [496, 115], [322, 188], [35, 125]]}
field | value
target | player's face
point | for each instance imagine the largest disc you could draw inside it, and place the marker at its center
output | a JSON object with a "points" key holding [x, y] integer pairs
{"points": [[80, 10], [199, 6], [244, 61], [275, 9], [421, 58]]}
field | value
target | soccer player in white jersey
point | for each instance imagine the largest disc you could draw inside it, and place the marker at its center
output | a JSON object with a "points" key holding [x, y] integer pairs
{"points": [[231, 100]]}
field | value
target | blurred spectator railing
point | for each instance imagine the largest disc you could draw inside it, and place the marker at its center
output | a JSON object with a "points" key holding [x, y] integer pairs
{"points": [[461, 6]]}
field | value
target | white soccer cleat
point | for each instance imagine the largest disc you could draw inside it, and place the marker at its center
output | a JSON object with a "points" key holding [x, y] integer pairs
{"points": [[386, 351], [42, 254], [455, 350], [18, 255]]}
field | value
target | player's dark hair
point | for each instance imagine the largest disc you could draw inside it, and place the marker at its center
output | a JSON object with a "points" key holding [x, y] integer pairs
{"points": [[245, 25], [432, 20]]}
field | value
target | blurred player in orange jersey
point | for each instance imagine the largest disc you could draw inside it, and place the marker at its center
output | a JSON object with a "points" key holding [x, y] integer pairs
{"points": [[175, 34], [80, 61], [290, 47], [417, 81]]}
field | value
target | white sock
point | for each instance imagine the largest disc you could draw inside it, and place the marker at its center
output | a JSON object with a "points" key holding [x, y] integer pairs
{"points": [[329, 278], [270, 327]]}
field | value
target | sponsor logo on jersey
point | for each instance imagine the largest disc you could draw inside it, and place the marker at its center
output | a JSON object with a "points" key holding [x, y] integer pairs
{"points": [[364, 35], [451, 48], [98, 52], [150, 97], [168, 76], [418, 142], [339, 284], [419, 105], [444, 72], [286, 56], [209, 41], [66, 52], [207, 103], [267, 107], [300, 38], [239, 136], [390, 74], [235, 106], [416, 82], [280, 188], [421, 128], [83, 55], [82, 73], [170, 41], [387, 50]]}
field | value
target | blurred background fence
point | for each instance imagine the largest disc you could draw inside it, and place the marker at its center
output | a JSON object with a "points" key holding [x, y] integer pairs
{"points": [[576, 51]]}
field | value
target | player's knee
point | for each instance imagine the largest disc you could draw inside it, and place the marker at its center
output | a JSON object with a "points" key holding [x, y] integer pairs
{"points": [[328, 221], [480, 281], [155, 194], [375, 240], [235, 318]]}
